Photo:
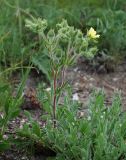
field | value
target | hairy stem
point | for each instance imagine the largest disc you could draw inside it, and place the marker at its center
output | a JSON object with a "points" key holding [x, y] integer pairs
{"points": [[54, 97]]}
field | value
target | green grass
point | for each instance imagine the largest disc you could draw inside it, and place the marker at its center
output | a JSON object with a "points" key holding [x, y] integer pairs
{"points": [[108, 17]]}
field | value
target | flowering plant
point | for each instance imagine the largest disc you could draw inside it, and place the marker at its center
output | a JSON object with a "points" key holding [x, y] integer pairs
{"points": [[101, 133], [63, 45]]}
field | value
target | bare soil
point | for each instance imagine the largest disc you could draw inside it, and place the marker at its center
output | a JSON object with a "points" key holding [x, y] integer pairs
{"points": [[85, 79]]}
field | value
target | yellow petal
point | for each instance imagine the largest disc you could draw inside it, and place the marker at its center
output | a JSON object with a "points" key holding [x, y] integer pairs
{"points": [[92, 33]]}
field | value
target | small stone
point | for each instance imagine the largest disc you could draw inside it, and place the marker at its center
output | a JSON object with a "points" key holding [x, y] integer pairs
{"points": [[92, 79], [76, 84], [75, 97], [22, 121], [5, 137], [81, 114], [21, 126], [75, 69], [91, 85], [115, 79]]}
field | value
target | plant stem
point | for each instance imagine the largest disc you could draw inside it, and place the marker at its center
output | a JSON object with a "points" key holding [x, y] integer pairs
{"points": [[54, 97], [63, 76]]}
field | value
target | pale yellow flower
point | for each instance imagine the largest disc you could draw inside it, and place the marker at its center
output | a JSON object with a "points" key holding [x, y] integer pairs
{"points": [[92, 33]]}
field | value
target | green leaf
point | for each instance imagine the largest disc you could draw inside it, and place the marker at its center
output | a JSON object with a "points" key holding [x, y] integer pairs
{"points": [[36, 128], [4, 145], [15, 113], [3, 88], [7, 105], [43, 64], [46, 117], [28, 115], [47, 107]]}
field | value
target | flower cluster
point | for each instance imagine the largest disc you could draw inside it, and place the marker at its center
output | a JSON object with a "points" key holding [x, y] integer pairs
{"points": [[65, 32], [64, 43], [37, 25]]}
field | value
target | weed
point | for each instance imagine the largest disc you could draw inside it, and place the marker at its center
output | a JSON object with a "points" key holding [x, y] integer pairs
{"points": [[99, 135], [10, 107], [63, 47]]}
